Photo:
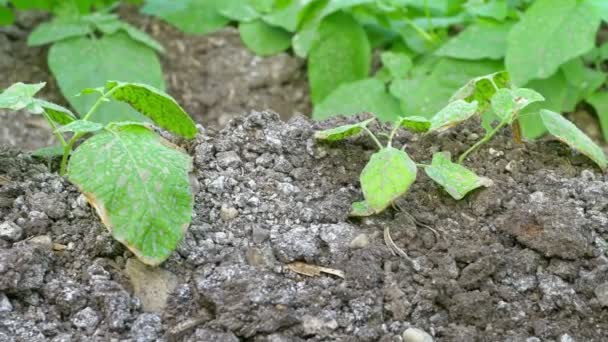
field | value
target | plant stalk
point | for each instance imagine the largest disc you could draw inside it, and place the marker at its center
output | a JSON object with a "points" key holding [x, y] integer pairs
{"points": [[373, 137], [483, 140], [54, 128]]}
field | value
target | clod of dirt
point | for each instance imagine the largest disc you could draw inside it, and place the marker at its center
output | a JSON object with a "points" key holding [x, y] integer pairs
{"points": [[480, 278], [151, 286]]}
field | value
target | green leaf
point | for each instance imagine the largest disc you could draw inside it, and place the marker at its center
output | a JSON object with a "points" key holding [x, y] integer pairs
{"points": [[80, 126], [138, 184], [478, 41], [341, 132], [340, 55], [453, 114], [507, 103], [550, 33], [7, 17], [388, 175], [424, 95], [287, 17], [368, 95], [524, 97], [599, 101], [155, 104], [496, 9], [416, 124], [482, 88], [586, 79], [397, 63], [570, 135], [111, 27], [56, 112], [48, 152], [237, 10], [264, 39], [456, 179], [79, 63], [600, 7], [20, 95], [360, 209], [56, 30], [190, 16]]}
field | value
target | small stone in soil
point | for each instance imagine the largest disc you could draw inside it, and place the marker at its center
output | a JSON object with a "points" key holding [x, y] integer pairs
{"points": [[86, 319], [416, 335], [360, 241], [5, 304], [601, 292], [10, 231]]}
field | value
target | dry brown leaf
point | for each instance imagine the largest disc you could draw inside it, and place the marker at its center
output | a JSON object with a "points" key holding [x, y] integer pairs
{"points": [[313, 270]]}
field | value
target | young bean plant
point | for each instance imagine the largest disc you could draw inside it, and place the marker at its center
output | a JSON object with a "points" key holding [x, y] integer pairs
{"points": [[390, 171], [137, 181]]}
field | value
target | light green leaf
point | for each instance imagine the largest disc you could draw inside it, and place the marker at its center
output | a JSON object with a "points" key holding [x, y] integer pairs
{"points": [[424, 95], [19, 95], [416, 124], [453, 114], [586, 79], [496, 9], [340, 55], [155, 104], [600, 7], [360, 209], [550, 33], [190, 16], [237, 10], [287, 18], [56, 30], [79, 63], [48, 152], [388, 175], [138, 184], [80, 126], [341, 132], [264, 39], [482, 88], [368, 95], [503, 104], [137, 35], [599, 101], [524, 97], [397, 63], [478, 41], [456, 179], [570, 135]]}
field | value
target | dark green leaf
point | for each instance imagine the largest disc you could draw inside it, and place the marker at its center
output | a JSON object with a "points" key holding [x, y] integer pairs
{"points": [[155, 104], [6, 16], [570, 135], [416, 124], [549, 34], [48, 152], [340, 55], [368, 95], [386, 177], [56, 113], [80, 63], [264, 39], [456, 179], [138, 184]]}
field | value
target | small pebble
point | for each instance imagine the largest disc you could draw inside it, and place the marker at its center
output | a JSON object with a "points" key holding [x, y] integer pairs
{"points": [[601, 292], [360, 241], [228, 213], [416, 335], [42, 240], [10, 231], [5, 304]]}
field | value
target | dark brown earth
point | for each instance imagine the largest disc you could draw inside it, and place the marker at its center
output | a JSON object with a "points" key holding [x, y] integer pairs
{"points": [[523, 260]]}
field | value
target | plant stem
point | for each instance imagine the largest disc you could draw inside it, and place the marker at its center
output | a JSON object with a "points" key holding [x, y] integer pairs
{"points": [[483, 140], [373, 137], [54, 128], [421, 31], [428, 18], [392, 135]]}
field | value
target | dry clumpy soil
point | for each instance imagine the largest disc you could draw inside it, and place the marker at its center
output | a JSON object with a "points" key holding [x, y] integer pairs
{"points": [[523, 260], [214, 77]]}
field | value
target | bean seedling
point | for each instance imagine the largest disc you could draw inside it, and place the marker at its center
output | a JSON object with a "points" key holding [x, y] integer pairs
{"points": [[390, 171], [137, 181]]}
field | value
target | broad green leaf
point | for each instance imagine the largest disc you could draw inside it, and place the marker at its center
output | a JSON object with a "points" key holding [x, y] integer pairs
{"points": [[155, 104], [56, 112], [478, 41], [114, 26], [56, 30], [416, 124], [79, 63], [503, 104], [397, 63], [287, 18], [48, 152], [524, 97], [560, 96], [586, 79], [550, 33], [482, 88], [453, 114], [368, 95], [456, 179], [388, 175], [341, 132], [19, 95], [138, 184], [360, 209], [424, 95], [190, 16], [80, 126], [570, 135], [496, 9], [340, 55], [237, 10], [7, 17], [600, 7], [599, 101], [264, 39]]}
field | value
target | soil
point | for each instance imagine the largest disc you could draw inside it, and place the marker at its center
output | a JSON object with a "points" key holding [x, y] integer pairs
{"points": [[522, 260], [214, 77]]}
